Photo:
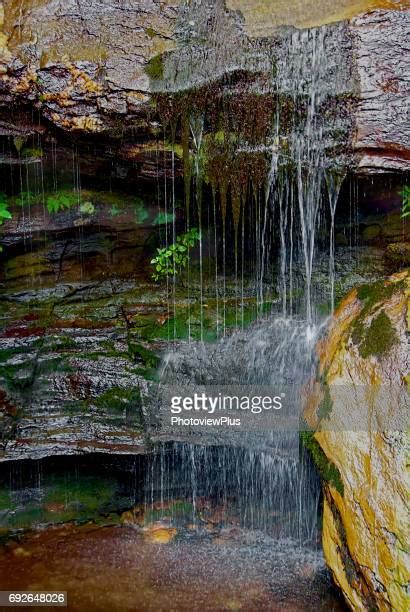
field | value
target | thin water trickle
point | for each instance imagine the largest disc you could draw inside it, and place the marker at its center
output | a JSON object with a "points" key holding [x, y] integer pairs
{"points": [[334, 180]]}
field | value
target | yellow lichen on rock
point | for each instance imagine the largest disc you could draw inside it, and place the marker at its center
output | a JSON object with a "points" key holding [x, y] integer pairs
{"points": [[365, 436], [83, 81], [160, 534], [86, 124], [5, 55]]}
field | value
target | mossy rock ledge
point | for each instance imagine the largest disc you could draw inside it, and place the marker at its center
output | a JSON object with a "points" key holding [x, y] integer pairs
{"points": [[364, 377]]}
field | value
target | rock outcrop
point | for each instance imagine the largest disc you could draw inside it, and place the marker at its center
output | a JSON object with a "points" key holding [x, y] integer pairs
{"points": [[82, 63], [92, 67], [361, 430], [383, 114]]}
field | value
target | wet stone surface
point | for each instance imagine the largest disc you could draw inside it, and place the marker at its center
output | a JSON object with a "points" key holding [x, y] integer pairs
{"points": [[158, 568]]}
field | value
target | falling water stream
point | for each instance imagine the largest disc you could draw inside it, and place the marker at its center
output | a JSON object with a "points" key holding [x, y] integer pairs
{"points": [[256, 477], [263, 474]]}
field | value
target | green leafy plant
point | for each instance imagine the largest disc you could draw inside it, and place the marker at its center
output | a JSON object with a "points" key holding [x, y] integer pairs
{"points": [[173, 259], [141, 213], [405, 207], [114, 210], [4, 211], [23, 198], [61, 201], [163, 217], [87, 208]]}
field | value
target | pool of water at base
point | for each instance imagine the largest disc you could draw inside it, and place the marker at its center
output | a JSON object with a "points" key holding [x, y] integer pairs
{"points": [[158, 568]]}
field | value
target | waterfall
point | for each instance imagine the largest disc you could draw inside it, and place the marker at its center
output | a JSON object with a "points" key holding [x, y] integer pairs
{"points": [[263, 474], [306, 74], [266, 476]]}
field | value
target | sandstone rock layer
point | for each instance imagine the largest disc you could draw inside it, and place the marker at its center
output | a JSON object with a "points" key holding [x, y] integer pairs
{"points": [[363, 433]]}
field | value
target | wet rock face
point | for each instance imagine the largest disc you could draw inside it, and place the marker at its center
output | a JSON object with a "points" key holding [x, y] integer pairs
{"points": [[383, 114], [76, 293], [91, 67], [360, 427], [83, 63]]}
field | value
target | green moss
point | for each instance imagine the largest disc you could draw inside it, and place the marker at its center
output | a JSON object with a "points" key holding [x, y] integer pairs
{"points": [[114, 211], [175, 510], [9, 353], [399, 254], [32, 152], [372, 232], [188, 321], [155, 68], [21, 376], [119, 400], [91, 356], [183, 325], [150, 32], [76, 406], [18, 142], [63, 343], [65, 198], [141, 213], [379, 337], [25, 519], [175, 147], [110, 350], [66, 498], [89, 492], [18, 377], [357, 331], [137, 351], [150, 374], [326, 405], [5, 500], [53, 365], [373, 293], [327, 470], [162, 218], [113, 399]]}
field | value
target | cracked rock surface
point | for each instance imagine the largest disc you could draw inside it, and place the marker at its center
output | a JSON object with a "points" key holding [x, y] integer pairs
{"points": [[83, 65]]}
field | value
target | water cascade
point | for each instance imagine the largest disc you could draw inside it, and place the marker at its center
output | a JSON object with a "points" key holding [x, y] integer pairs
{"points": [[262, 474], [268, 474]]}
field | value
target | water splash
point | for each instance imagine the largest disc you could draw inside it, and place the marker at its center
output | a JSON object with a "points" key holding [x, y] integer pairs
{"points": [[265, 474]]}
